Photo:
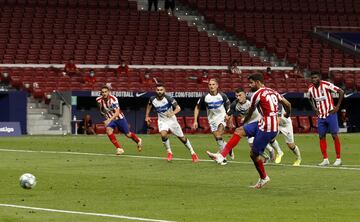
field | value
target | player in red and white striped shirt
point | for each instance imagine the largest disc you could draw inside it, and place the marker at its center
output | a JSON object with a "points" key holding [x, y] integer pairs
{"points": [[323, 104], [266, 100], [110, 109]]}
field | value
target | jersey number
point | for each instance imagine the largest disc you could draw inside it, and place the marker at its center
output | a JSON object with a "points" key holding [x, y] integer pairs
{"points": [[273, 101]]}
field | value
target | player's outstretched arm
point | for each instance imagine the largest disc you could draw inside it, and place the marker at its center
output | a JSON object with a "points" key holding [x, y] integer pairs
{"points": [[287, 106]]}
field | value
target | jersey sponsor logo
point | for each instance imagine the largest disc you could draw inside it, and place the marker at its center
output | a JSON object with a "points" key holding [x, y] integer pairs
{"points": [[164, 108], [215, 105]]}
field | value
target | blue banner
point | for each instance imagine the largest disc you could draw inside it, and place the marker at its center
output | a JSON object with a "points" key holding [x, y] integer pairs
{"points": [[10, 129], [144, 94]]}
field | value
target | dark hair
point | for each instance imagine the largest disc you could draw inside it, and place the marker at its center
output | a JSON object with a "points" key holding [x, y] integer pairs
{"points": [[315, 73], [160, 84], [256, 77], [239, 90]]}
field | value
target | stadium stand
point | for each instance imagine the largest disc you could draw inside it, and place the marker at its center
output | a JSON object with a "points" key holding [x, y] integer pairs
{"points": [[285, 27]]}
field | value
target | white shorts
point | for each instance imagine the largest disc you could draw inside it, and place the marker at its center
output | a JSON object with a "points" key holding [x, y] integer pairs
{"points": [[214, 125], [171, 125], [286, 128], [250, 140]]}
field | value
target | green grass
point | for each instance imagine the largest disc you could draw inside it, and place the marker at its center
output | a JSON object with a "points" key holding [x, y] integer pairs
{"points": [[177, 191]]}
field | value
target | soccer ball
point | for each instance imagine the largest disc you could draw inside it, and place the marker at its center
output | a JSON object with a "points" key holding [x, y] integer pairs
{"points": [[27, 181]]}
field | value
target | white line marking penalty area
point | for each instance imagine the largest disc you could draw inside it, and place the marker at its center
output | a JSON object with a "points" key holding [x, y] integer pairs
{"points": [[84, 213]]}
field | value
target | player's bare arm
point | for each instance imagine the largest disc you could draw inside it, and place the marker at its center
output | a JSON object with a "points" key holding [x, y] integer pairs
{"points": [[101, 109], [117, 112], [287, 106], [249, 113], [337, 107], [147, 113], [313, 106], [172, 113], [196, 115]]}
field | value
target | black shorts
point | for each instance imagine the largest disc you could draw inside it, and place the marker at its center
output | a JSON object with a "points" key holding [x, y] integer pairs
{"points": [[170, 4]]}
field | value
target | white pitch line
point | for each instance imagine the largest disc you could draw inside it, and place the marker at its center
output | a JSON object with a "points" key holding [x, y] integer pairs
{"points": [[83, 213], [179, 159]]}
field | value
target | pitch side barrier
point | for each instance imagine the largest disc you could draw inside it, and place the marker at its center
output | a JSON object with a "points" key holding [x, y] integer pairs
{"points": [[114, 66]]}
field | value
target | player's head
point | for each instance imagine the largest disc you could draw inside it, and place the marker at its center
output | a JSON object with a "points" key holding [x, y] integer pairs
{"points": [[315, 77], [105, 91], [240, 95], [256, 81], [213, 85], [160, 90]]}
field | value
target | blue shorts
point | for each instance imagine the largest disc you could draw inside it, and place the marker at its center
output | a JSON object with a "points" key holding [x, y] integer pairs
{"points": [[121, 124], [328, 124], [261, 138]]}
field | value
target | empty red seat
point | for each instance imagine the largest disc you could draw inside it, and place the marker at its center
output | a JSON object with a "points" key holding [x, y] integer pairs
{"points": [[304, 124], [295, 123], [181, 122], [204, 124], [100, 128], [153, 126], [314, 123], [189, 122]]}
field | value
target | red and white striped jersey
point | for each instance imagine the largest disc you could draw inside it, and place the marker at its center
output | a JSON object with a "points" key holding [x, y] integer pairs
{"points": [[109, 106], [322, 96], [266, 100]]}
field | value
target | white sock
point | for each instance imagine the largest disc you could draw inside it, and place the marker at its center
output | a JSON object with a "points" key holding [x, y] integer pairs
{"points": [[296, 151], [167, 145], [276, 146], [221, 144], [188, 145], [269, 148]]}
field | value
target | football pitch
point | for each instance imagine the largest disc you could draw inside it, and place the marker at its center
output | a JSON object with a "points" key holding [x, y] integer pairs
{"points": [[80, 179]]}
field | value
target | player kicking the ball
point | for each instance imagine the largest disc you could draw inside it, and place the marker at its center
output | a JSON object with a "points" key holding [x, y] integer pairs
{"points": [[109, 108], [167, 108], [239, 108], [323, 104], [264, 131]]}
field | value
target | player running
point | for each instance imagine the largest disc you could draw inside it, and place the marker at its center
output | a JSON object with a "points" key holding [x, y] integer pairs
{"points": [[217, 103], [286, 129], [264, 131], [239, 108], [109, 108], [323, 104], [167, 108]]}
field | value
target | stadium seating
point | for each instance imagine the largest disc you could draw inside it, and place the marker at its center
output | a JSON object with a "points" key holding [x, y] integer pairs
{"points": [[49, 79], [102, 31], [189, 122], [304, 124], [295, 123], [204, 124], [284, 27], [153, 126]]}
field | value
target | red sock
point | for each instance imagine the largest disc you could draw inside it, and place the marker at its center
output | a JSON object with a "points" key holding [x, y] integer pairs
{"points": [[260, 168], [337, 147], [234, 140], [113, 140], [134, 137], [323, 146]]}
